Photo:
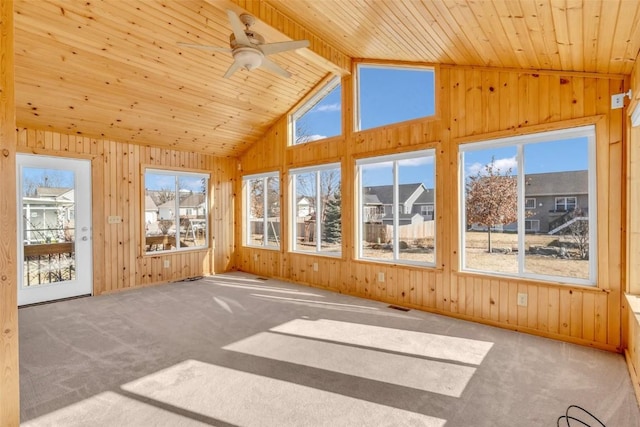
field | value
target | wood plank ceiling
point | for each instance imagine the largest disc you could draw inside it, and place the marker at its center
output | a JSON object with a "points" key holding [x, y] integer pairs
{"points": [[113, 68]]}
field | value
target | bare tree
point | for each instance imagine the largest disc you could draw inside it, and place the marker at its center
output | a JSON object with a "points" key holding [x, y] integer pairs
{"points": [[48, 179], [491, 198], [579, 232]]}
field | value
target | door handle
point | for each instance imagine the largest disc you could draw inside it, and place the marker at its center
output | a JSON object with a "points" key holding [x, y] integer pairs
{"points": [[85, 238]]}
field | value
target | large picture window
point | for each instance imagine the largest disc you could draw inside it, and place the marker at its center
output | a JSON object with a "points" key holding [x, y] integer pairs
{"points": [[529, 206], [321, 116], [317, 209], [396, 208], [262, 210], [393, 94], [176, 213]]}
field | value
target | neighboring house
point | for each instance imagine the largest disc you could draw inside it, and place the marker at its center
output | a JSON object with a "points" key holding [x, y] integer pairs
{"points": [[550, 201], [415, 201], [303, 207], [48, 215], [150, 210], [191, 206]]}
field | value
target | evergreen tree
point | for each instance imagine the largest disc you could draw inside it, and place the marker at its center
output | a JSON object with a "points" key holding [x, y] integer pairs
{"points": [[333, 220]]}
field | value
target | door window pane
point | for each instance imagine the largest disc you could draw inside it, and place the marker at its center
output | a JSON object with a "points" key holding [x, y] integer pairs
{"points": [[48, 206]]}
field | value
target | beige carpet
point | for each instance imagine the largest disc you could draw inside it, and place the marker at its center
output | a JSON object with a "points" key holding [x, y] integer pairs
{"points": [[234, 350]]}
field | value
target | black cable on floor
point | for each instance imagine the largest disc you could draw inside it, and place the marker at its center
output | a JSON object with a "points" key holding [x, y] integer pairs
{"points": [[569, 418]]}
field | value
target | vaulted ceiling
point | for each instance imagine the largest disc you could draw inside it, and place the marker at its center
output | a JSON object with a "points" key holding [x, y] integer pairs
{"points": [[114, 68]]}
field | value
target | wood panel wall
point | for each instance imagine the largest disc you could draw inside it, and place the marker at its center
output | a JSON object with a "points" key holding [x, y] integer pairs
{"points": [[9, 372], [632, 330], [117, 167], [473, 104]]}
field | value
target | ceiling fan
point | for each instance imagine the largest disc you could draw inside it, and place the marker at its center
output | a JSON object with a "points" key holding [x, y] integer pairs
{"points": [[248, 47]]}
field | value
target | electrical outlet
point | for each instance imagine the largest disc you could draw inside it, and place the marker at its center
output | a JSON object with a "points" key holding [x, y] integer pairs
{"points": [[167, 263], [617, 101], [381, 277], [522, 300], [114, 219], [315, 266]]}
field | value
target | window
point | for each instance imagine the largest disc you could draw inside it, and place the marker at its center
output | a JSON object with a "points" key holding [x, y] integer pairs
{"points": [[262, 210], [565, 204], [427, 211], [406, 181], [316, 209], [321, 116], [176, 211], [516, 180], [532, 225], [530, 203], [391, 94]]}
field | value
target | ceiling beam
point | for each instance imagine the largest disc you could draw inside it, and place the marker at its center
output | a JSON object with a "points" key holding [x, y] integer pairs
{"points": [[319, 52]]}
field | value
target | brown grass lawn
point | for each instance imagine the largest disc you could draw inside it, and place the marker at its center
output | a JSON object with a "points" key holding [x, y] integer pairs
{"points": [[478, 258]]}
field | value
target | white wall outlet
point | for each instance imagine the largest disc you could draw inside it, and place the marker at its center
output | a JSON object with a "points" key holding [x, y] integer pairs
{"points": [[617, 101], [315, 266], [167, 263], [381, 277], [522, 299]]}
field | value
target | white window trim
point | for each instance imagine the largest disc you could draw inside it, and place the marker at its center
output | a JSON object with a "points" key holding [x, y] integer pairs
{"points": [[177, 174], [396, 250], [356, 88], [565, 202], [526, 200], [247, 207], [318, 226], [308, 106], [532, 221], [519, 141]]}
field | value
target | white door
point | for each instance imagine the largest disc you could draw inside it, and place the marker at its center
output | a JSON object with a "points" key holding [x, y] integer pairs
{"points": [[54, 228]]}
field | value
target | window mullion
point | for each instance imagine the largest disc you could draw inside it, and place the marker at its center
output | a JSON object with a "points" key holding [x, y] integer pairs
{"points": [[176, 210], [318, 213], [521, 211], [265, 222], [395, 210]]}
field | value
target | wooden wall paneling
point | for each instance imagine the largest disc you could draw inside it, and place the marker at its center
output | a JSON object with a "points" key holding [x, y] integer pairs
{"points": [[9, 364], [554, 310], [519, 99], [98, 225], [576, 318], [588, 303], [542, 307], [565, 312]]}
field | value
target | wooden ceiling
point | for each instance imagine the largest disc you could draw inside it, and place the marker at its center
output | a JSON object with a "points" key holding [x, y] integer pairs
{"points": [[113, 68]]}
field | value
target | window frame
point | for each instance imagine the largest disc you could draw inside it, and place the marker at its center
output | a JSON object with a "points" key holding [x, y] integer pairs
{"points": [[395, 158], [177, 173], [519, 141], [565, 203], [527, 200], [293, 227], [246, 226], [357, 110], [309, 104]]}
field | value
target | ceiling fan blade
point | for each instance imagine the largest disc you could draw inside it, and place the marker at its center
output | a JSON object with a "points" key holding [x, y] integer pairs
{"points": [[204, 47], [271, 48], [272, 66], [232, 69], [238, 28]]}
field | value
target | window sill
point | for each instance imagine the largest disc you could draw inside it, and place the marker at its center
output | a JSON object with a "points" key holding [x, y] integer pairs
{"points": [[634, 305]]}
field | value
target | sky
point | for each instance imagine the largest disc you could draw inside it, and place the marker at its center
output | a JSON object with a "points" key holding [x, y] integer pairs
{"points": [[391, 95]]}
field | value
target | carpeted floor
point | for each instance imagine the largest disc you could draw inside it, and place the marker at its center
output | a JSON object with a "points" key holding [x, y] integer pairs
{"points": [[234, 350]]}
